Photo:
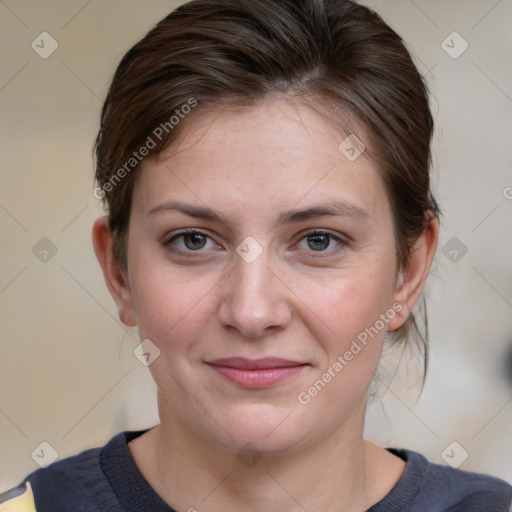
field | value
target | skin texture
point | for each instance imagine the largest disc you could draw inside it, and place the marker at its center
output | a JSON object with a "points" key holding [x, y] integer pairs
{"points": [[249, 166]]}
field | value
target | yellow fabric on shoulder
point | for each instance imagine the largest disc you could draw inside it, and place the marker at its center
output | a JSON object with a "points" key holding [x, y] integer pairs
{"points": [[23, 502]]}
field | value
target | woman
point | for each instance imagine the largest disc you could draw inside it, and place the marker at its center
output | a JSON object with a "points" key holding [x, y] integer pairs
{"points": [[265, 168]]}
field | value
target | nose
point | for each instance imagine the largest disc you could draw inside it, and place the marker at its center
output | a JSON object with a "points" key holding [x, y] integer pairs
{"points": [[254, 300]]}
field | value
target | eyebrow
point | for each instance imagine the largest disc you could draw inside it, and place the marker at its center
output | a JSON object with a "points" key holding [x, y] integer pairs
{"points": [[198, 212], [330, 209]]}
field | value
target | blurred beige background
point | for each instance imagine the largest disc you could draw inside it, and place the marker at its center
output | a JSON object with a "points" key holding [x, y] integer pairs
{"points": [[68, 376]]}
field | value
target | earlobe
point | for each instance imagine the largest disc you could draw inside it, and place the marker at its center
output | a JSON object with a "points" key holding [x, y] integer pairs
{"points": [[115, 279], [411, 279]]}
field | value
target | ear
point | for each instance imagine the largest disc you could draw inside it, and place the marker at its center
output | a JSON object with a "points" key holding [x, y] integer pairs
{"points": [[411, 279], [115, 279]]}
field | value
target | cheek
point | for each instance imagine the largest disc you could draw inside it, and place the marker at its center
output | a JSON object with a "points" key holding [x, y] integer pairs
{"points": [[346, 303], [174, 314], [171, 307], [351, 335]]}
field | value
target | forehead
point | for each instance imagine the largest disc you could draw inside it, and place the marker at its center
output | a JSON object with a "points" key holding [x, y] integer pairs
{"points": [[278, 128], [280, 149]]}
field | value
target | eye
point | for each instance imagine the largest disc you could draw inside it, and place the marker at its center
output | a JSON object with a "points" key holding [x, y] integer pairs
{"points": [[320, 241], [191, 241]]}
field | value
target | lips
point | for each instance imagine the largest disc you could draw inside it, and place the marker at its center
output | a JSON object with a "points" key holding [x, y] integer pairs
{"points": [[257, 373]]}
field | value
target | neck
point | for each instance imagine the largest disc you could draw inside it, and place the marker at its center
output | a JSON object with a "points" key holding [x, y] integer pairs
{"points": [[341, 472]]}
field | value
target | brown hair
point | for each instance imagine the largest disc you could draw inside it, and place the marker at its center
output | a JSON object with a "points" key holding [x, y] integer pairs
{"points": [[232, 52]]}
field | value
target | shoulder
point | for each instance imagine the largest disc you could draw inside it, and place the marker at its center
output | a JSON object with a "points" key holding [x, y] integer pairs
{"points": [[71, 477], [75, 483], [451, 489], [61, 484], [18, 499]]}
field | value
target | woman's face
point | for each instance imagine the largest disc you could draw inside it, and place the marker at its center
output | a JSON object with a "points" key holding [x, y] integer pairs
{"points": [[261, 263]]}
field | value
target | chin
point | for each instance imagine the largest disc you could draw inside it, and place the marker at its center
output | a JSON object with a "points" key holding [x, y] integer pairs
{"points": [[271, 429]]}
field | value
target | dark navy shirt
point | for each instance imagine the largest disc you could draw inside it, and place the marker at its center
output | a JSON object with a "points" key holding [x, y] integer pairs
{"points": [[107, 480]]}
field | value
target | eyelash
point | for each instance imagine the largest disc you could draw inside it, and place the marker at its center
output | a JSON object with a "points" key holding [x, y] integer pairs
{"points": [[183, 233], [341, 243]]}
